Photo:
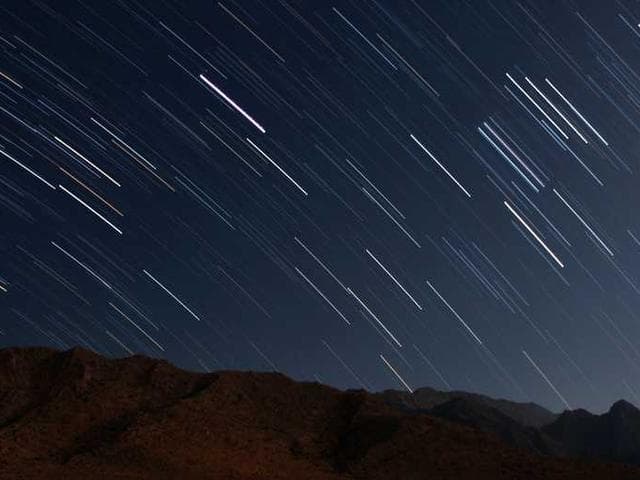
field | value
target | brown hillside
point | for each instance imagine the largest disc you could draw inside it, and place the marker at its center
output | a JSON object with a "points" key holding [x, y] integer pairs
{"points": [[77, 415]]}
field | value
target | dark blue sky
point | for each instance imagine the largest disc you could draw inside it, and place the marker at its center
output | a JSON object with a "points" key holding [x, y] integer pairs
{"points": [[378, 194]]}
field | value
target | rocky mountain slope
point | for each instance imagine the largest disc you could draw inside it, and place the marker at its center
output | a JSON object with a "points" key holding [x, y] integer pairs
{"points": [[76, 415]]}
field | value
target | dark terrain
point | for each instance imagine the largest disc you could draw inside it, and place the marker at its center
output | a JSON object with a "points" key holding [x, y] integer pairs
{"points": [[75, 414], [613, 436]]}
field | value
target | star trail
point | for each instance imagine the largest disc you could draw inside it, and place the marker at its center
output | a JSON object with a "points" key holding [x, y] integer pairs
{"points": [[369, 194]]}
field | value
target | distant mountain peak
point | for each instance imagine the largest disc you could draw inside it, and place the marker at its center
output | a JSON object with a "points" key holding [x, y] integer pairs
{"points": [[623, 406]]}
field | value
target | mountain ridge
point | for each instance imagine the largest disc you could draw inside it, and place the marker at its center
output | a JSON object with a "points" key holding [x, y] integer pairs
{"points": [[76, 414], [610, 436], [526, 413]]}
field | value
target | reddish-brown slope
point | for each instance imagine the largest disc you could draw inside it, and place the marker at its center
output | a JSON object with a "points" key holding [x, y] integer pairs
{"points": [[78, 415]]}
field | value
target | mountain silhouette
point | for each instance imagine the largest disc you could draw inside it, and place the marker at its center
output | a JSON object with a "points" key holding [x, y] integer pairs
{"points": [[78, 415], [613, 436], [528, 414], [478, 415]]}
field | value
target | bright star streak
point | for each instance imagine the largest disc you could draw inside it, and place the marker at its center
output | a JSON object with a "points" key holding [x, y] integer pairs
{"points": [[441, 166], [88, 207], [27, 169], [278, 167], [233, 104], [394, 279], [406, 385], [530, 230], [172, 295]]}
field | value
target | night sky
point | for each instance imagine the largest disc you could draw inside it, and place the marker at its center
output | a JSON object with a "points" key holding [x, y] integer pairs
{"points": [[377, 194]]}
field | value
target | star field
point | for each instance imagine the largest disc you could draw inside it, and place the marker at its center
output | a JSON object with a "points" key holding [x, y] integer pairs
{"points": [[367, 194]]}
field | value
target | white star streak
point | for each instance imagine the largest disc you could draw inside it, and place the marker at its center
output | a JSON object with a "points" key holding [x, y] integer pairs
{"points": [[232, 103], [27, 169], [7, 77], [136, 325], [115, 339], [506, 157], [326, 269], [433, 367], [89, 162], [540, 109], [394, 279], [346, 367], [586, 225], [255, 35], [404, 230], [516, 156], [575, 110], [555, 109], [376, 189], [323, 296], [546, 379], [278, 167], [172, 295], [441, 166], [454, 312], [373, 315], [181, 40], [396, 374], [123, 142], [263, 356], [88, 207], [409, 66], [87, 269], [377, 50], [530, 230]]}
